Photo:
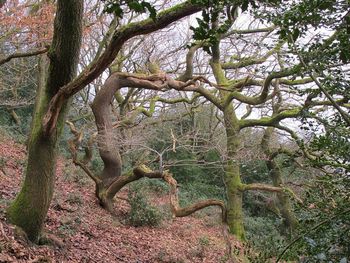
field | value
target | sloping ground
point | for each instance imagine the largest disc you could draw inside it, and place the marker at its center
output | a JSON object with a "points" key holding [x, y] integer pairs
{"points": [[86, 233]]}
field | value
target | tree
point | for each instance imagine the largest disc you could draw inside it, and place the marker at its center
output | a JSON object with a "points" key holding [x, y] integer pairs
{"points": [[275, 171], [30, 206]]}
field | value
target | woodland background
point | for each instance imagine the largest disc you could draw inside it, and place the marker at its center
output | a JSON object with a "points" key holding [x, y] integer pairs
{"points": [[164, 131]]}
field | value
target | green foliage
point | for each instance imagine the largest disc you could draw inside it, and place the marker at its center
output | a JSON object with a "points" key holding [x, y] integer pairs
{"points": [[116, 7], [141, 212], [264, 240], [150, 186], [295, 18], [255, 203], [324, 234], [196, 168], [96, 165], [204, 32], [189, 171], [221, 14], [334, 144], [204, 241], [192, 192], [3, 161], [329, 23], [254, 171]]}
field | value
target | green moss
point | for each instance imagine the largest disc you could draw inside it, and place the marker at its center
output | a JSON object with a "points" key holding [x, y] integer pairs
{"points": [[219, 74], [30, 207], [234, 200], [23, 214], [270, 121]]}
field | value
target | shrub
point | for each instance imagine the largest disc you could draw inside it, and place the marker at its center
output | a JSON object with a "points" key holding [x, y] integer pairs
{"points": [[151, 186], [141, 212], [193, 192], [264, 239]]}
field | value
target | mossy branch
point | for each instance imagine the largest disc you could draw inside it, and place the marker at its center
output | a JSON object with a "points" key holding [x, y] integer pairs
{"points": [[269, 188], [264, 94], [271, 121], [245, 62]]}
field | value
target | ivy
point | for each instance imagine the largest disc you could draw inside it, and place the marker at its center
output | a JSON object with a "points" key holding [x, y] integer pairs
{"points": [[116, 7], [222, 13]]}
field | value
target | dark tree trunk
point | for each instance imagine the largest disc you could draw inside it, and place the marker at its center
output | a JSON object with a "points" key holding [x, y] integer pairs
{"points": [[30, 207]]}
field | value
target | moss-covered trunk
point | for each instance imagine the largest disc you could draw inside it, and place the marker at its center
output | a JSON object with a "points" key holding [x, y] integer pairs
{"points": [[232, 175], [234, 200], [289, 219], [104, 197], [30, 207]]}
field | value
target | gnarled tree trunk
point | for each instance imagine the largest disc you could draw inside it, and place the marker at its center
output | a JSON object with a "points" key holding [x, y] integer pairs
{"points": [[110, 180], [232, 176]]}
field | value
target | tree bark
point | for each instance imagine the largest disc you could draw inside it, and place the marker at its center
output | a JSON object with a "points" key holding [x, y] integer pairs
{"points": [[120, 36], [232, 176], [30, 207], [110, 180], [234, 200], [289, 219]]}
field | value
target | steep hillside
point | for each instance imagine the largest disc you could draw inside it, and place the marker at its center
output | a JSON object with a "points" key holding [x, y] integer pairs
{"points": [[83, 232]]}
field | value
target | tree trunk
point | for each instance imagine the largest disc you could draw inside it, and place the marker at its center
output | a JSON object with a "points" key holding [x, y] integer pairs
{"points": [[289, 219], [234, 200], [30, 207], [232, 175], [110, 181]]}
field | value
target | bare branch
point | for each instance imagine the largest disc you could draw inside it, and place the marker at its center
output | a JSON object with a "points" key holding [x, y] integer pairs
{"points": [[249, 31], [261, 187], [23, 54], [73, 148], [264, 95]]}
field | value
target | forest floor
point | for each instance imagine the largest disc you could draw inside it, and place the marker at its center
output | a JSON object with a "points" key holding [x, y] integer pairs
{"points": [[84, 232]]}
